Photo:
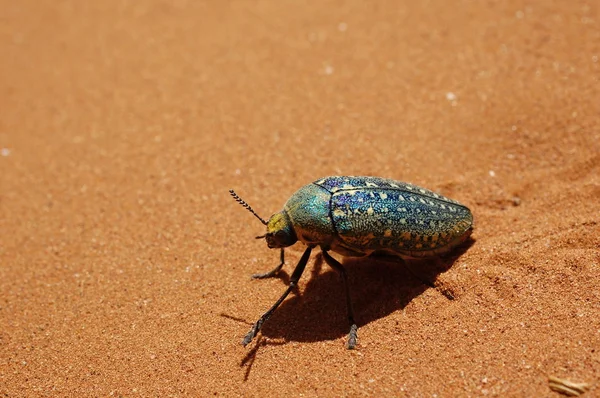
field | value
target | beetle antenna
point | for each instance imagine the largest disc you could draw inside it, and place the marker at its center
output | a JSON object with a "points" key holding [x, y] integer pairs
{"points": [[246, 205]]}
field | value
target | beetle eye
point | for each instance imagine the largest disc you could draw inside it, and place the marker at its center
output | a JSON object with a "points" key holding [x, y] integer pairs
{"points": [[280, 234]]}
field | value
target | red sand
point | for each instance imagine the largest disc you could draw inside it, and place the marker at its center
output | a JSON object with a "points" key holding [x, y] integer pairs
{"points": [[125, 266]]}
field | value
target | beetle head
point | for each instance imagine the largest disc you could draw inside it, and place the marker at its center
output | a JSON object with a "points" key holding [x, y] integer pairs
{"points": [[280, 232]]}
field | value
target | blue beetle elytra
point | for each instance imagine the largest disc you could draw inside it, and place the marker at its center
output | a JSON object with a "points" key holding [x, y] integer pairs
{"points": [[357, 216]]}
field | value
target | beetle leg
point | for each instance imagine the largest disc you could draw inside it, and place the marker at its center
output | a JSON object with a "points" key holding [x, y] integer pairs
{"points": [[273, 272], [293, 283], [333, 263]]}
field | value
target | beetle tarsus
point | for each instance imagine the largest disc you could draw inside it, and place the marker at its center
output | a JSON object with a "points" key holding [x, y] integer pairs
{"points": [[250, 335], [352, 337], [273, 272], [265, 275], [255, 328]]}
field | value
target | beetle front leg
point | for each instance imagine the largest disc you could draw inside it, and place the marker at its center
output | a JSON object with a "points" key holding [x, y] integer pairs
{"points": [[273, 272], [353, 334], [293, 283]]}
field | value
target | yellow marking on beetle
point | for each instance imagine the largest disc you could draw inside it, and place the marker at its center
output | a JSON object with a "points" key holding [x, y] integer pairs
{"points": [[400, 197], [385, 209], [383, 195], [339, 213], [443, 207], [335, 189], [412, 199], [277, 222], [422, 190], [409, 187], [432, 224], [401, 208], [361, 200], [422, 201], [348, 186], [394, 185], [370, 184], [370, 211], [321, 182], [387, 233], [403, 221]]}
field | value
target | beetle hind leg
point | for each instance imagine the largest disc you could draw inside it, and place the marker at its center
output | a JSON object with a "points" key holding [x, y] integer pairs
{"points": [[274, 271], [353, 334]]}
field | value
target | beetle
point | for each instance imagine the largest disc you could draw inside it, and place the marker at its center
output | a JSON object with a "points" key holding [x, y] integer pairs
{"points": [[358, 216]]}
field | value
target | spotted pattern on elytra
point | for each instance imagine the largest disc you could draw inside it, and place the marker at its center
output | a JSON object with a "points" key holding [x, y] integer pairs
{"points": [[394, 216], [337, 183]]}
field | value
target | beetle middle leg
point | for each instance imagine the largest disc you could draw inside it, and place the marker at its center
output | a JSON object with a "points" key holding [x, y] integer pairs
{"points": [[293, 283], [333, 263], [274, 271]]}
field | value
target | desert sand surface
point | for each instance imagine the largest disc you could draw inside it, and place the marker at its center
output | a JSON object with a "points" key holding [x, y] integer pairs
{"points": [[125, 265]]}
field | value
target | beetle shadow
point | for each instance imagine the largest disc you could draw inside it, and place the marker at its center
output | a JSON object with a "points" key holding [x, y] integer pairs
{"points": [[250, 357], [379, 286]]}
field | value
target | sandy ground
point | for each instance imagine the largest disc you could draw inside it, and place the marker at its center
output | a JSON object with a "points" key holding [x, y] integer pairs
{"points": [[125, 265]]}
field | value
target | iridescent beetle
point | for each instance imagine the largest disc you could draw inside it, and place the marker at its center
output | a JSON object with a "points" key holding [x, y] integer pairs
{"points": [[357, 216]]}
